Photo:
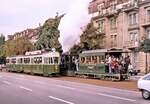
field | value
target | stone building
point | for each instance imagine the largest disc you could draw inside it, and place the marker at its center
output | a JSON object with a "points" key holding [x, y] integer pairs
{"points": [[31, 34], [125, 23]]}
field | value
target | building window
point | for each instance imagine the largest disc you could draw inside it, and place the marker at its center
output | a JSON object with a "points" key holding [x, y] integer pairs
{"points": [[113, 40], [113, 23], [101, 25], [133, 19], [148, 34], [148, 15], [146, 77], [100, 8], [133, 36]]}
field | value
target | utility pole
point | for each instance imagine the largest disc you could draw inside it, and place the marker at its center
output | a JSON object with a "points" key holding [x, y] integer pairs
{"points": [[146, 64]]}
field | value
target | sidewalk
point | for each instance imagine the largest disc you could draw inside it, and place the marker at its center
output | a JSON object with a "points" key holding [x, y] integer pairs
{"points": [[135, 78], [127, 85]]}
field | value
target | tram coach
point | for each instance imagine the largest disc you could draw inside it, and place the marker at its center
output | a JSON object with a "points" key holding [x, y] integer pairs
{"points": [[93, 64], [35, 62]]}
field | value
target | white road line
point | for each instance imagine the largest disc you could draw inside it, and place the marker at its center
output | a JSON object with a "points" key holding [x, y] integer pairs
{"points": [[39, 82], [20, 78], [21, 75], [116, 97], [121, 90], [66, 87], [60, 100], [26, 88], [6, 82]]}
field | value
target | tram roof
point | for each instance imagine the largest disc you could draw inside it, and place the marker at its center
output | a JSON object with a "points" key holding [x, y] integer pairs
{"points": [[101, 51], [54, 54], [94, 52]]}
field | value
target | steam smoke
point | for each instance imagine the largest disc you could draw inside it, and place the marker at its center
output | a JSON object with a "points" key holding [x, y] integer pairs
{"points": [[71, 23]]}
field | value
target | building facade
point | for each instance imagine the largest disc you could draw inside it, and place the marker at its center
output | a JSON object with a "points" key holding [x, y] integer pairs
{"points": [[30, 34], [125, 23]]}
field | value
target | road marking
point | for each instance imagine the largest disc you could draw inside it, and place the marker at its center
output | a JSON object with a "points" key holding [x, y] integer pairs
{"points": [[60, 100], [66, 87], [20, 78], [121, 90], [21, 75], [6, 82], [26, 88], [116, 97], [39, 82]]}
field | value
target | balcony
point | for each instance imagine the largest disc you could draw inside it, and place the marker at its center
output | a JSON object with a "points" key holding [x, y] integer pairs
{"points": [[146, 22], [131, 44], [111, 13], [130, 7], [133, 27]]}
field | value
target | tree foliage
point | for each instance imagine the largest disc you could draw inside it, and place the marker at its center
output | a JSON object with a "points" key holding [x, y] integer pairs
{"points": [[17, 47], [90, 39], [145, 46], [48, 35], [76, 49], [2, 41]]}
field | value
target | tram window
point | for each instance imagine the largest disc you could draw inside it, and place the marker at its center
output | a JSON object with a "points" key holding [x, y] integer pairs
{"points": [[50, 60], [101, 59], [26, 60], [88, 59], [20, 60], [37, 60], [56, 60], [46, 60], [82, 59], [94, 59], [40, 59], [32, 60], [13, 60], [7, 60]]}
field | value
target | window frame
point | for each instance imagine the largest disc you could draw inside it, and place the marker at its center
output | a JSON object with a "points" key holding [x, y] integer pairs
{"points": [[147, 78]]}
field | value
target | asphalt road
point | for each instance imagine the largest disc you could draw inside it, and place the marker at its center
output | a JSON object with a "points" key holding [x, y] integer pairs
{"points": [[26, 89]]}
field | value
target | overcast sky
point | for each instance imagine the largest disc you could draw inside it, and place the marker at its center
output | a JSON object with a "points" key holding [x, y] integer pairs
{"points": [[18, 15]]}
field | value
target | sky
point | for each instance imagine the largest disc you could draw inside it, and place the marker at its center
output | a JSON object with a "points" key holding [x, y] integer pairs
{"points": [[18, 15]]}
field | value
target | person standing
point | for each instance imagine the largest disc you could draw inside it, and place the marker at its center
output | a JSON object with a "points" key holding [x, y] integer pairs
{"points": [[77, 64], [127, 62], [109, 63]]}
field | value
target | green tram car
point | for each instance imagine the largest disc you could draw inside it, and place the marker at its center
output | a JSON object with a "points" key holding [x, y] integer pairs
{"points": [[92, 64], [36, 62]]}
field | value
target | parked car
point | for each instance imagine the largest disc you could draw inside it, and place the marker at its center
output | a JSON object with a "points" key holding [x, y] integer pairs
{"points": [[144, 86]]}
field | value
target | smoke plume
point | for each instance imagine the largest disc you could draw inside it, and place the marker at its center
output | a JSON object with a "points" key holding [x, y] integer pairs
{"points": [[71, 23]]}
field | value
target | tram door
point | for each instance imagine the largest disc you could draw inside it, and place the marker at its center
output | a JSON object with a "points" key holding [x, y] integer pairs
{"points": [[67, 64]]}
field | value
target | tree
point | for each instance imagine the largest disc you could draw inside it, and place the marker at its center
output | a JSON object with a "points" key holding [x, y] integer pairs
{"points": [[145, 47], [76, 49], [2, 41], [90, 39], [9, 48], [49, 34], [18, 46]]}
